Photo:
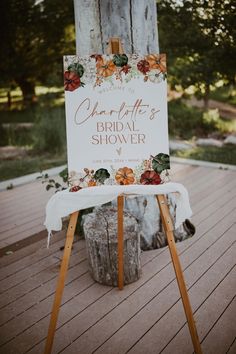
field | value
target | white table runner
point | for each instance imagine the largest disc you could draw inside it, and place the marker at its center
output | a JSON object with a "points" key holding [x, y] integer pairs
{"points": [[63, 203]]}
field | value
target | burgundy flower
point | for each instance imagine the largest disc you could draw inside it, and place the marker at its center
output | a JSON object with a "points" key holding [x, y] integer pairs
{"points": [[143, 66], [126, 69], [71, 81], [150, 177], [75, 188]]}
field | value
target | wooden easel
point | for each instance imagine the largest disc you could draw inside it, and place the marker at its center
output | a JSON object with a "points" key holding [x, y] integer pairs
{"points": [[115, 47]]}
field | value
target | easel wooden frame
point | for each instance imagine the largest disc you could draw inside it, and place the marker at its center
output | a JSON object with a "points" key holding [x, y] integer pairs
{"points": [[115, 47]]}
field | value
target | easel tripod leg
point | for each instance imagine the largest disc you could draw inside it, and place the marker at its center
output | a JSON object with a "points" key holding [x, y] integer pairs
{"points": [[120, 207], [61, 282], [168, 226]]}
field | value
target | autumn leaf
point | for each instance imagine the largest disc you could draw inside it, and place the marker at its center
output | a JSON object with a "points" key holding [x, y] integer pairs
{"points": [[160, 162]]}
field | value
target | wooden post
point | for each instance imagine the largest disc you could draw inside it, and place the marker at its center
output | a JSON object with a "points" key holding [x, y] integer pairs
{"points": [[120, 206], [168, 226], [115, 47], [61, 281]]}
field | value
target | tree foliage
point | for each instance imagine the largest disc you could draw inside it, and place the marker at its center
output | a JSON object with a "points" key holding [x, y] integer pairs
{"points": [[199, 38], [35, 35]]}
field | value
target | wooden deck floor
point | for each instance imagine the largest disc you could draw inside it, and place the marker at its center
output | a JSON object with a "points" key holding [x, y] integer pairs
{"points": [[147, 316]]}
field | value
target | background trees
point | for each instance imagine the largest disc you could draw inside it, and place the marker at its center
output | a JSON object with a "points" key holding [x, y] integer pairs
{"points": [[35, 35], [199, 37]]}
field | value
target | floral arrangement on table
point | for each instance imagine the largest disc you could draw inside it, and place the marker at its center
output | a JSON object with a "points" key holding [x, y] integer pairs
{"points": [[150, 172], [103, 68]]}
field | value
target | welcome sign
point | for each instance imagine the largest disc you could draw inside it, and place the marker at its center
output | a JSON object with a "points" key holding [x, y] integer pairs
{"points": [[116, 117]]}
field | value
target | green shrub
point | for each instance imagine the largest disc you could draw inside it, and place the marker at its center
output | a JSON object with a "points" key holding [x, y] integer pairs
{"points": [[49, 131], [186, 122], [16, 135]]}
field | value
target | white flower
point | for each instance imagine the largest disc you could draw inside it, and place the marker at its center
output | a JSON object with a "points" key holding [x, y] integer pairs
{"points": [[155, 76], [78, 179]]}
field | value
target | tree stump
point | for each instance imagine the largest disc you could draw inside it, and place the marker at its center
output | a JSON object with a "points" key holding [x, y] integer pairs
{"points": [[100, 230]]}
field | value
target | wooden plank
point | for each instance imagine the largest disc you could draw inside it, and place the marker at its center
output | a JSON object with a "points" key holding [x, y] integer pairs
{"points": [[33, 222], [232, 347], [23, 235], [213, 207], [32, 250], [135, 320], [26, 192], [209, 198], [219, 340], [166, 334], [208, 186], [21, 218], [26, 260], [42, 276], [78, 274], [82, 321], [222, 224]]}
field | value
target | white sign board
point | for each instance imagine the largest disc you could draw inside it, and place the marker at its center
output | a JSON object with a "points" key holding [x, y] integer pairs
{"points": [[116, 110]]}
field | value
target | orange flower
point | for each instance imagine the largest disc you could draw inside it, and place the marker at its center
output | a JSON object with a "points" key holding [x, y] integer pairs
{"points": [[125, 176], [105, 68], [92, 183], [157, 61]]}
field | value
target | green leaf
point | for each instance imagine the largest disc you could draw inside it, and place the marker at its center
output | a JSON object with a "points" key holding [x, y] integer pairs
{"points": [[101, 175], [120, 59], [77, 68], [49, 186], [57, 185], [64, 175], [161, 162]]}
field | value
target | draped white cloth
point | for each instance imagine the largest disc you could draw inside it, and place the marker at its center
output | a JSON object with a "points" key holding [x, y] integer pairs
{"points": [[63, 203]]}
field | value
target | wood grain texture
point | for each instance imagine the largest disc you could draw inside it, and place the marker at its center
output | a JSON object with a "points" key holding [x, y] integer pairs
{"points": [[168, 226], [106, 244], [61, 282], [116, 22], [134, 21], [87, 26], [144, 27]]}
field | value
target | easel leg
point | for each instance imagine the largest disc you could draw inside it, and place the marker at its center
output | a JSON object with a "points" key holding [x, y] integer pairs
{"points": [[61, 282], [120, 207], [168, 226]]}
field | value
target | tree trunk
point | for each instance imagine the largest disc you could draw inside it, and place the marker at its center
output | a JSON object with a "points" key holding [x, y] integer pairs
{"points": [[206, 96], [100, 229], [28, 91], [134, 21]]}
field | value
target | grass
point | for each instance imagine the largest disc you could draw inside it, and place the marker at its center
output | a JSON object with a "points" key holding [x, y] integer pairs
{"points": [[226, 94], [225, 154], [15, 168], [47, 98], [187, 122]]}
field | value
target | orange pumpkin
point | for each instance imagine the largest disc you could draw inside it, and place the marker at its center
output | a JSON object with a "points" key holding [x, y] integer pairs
{"points": [[157, 62], [125, 176], [105, 68]]}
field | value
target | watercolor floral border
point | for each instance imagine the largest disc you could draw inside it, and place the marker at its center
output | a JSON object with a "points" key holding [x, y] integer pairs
{"points": [[97, 69], [150, 172]]}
